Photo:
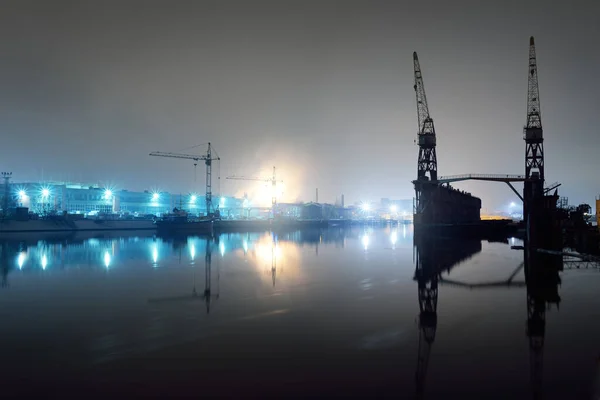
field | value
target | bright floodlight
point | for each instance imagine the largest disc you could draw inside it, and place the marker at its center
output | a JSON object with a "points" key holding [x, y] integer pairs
{"points": [[22, 194], [45, 192], [512, 204], [393, 208], [155, 196], [108, 194], [365, 207], [193, 198]]}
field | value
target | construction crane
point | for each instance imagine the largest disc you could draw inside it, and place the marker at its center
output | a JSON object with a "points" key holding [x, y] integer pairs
{"points": [[533, 133], [208, 159], [533, 189], [273, 181], [427, 161]]}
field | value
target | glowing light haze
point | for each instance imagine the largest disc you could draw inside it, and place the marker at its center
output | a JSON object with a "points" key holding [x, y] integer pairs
{"points": [[321, 89]]}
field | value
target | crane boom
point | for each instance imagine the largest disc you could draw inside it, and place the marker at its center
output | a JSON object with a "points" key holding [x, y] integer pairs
{"points": [[427, 162], [208, 159], [534, 134], [177, 155], [273, 181]]}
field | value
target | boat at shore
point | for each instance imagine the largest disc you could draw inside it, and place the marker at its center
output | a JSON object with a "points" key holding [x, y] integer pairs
{"points": [[10, 227], [181, 222]]}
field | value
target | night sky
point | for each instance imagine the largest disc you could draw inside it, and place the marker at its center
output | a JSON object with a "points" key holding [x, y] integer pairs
{"points": [[321, 89]]}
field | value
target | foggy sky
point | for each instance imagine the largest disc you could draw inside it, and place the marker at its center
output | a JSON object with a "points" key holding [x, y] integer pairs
{"points": [[321, 89]]}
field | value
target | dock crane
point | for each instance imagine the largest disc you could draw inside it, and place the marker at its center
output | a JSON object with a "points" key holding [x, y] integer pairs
{"points": [[208, 159], [273, 181], [427, 161]]}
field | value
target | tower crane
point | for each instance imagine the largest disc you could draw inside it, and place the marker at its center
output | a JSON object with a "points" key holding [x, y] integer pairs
{"points": [[533, 133], [534, 147], [208, 158], [427, 161], [273, 181]]}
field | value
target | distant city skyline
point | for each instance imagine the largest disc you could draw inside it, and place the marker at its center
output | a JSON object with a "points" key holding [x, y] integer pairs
{"points": [[322, 90]]}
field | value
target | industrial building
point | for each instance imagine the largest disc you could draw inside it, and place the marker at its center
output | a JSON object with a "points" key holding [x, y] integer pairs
{"points": [[59, 197]]}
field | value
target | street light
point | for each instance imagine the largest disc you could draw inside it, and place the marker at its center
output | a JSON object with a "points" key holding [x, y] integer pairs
{"points": [[393, 208]]}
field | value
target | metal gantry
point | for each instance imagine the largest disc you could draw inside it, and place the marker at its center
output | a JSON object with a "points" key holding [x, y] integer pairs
{"points": [[273, 181], [208, 158], [427, 162], [533, 133]]}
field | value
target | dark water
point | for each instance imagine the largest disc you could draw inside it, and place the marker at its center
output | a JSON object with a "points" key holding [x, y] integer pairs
{"points": [[319, 313]]}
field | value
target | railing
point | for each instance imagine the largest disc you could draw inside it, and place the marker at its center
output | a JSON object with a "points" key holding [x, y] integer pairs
{"points": [[481, 177]]}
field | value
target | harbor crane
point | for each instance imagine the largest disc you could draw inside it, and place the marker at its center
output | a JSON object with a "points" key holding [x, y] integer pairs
{"points": [[273, 181], [208, 158], [427, 161]]}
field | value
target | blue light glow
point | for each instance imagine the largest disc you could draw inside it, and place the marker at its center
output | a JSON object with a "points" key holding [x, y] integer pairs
{"points": [[44, 261], [107, 259], [154, 254], [192, 251], [21, 259], [365, 241]]}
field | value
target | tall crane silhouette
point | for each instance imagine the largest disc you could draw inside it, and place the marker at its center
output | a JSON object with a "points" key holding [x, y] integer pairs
{"points": [[208, 158], [534, 150], [273, 181], [427, 161], [207, 295], [533, 132]]}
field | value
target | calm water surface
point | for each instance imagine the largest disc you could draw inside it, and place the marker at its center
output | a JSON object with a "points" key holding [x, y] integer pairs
{"points": [[310, 313]]}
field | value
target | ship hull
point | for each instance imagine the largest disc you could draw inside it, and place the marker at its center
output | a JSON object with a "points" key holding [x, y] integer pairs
{"points": [[11, 227], [191, 227]]}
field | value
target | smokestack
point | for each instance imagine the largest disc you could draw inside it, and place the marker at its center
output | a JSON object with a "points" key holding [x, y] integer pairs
{"points": [[317, 195], [342, 201]]}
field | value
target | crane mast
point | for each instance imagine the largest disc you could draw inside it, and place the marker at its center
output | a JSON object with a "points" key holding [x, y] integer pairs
{"points": [[208, 159], [427, 162], [273, 181], [533, 133]]}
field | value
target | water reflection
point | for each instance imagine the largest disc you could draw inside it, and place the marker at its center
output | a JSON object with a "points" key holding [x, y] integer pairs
{"points": [[207, 295], [542, 277], [436, 257], [305, 293]]}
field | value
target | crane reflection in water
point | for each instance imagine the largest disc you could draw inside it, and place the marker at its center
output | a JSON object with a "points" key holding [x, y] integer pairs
{"points": [[207, 294], [435, 257]]}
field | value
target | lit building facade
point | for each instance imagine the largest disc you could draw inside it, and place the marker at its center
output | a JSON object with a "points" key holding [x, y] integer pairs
{"points": [[57, 197]]}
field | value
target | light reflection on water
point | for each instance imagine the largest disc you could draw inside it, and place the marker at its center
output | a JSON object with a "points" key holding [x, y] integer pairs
{"points": [[100, 300]]}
